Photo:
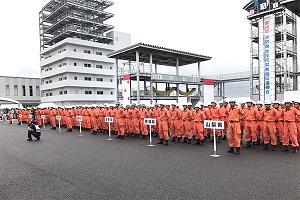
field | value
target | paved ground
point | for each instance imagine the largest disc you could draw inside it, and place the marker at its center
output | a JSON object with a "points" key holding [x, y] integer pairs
{"points": [[66, 166]]}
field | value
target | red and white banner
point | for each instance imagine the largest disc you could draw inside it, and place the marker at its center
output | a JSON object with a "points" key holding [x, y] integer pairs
{"points": [[126, 89], [208, 91]]}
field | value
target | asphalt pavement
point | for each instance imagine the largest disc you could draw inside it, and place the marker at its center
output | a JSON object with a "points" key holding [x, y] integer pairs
{"points": [[66, 166]]}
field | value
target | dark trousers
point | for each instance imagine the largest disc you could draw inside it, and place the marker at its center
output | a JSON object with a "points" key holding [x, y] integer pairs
{"points": [[34, 134]]}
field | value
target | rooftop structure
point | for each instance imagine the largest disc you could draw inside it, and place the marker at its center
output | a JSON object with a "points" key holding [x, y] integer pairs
{"points": [[84, 19], [143, 54]]}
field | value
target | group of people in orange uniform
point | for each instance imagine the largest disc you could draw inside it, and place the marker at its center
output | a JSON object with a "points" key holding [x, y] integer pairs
{"points": [[276, 123]]}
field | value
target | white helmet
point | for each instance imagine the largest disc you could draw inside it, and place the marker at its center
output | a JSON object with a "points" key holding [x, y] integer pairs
{"points": [[213, 102], [197, 105], [249, 101], [189, 104], [268, 102], [221, 102], [276, 102], [259, 103], [231, 100]]}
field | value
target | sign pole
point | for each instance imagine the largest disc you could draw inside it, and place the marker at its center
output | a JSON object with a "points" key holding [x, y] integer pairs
{"points": [[44, 127], [80, 129], [150, 134], [59, 126], [215, 146], [109, 133]]}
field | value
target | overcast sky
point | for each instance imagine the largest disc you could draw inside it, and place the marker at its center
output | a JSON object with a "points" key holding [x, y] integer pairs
{"points": [[214, 28]]}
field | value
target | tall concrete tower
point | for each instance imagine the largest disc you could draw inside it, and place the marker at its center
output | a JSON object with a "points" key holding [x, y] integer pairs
{"points": [[273, 52]]}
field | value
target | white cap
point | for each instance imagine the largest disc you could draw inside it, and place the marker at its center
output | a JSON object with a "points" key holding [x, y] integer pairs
{"points": [[197, 105], [259, 103], [213, 102], [231, 100], [249, 101], [278, 102], [201, 103], [189, 104], [221, 102]]}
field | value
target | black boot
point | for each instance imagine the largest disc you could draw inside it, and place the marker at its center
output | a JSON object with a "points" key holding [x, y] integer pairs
{"points": [[122, 137], [266, 146], [219, 139], [118, 136], [231, 150], [258, 142], [173, 139], [201, 142], [273, 147], [295, 150], [189, 141], [133, 135], [248, 144], [142, 137], [211, 139], [178, 140], [285, 148], [160, 141], [238, 150], [166, 142], [224, 137], [184, 140], [253, 145], [126, 135], [197, 142]]}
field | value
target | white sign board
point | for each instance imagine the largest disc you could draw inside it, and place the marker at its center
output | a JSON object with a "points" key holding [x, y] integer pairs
{"points": [[109, 119], [79, 118], [58, 117], [208, 124], [150, 121], [43, 116], [30, 116]]}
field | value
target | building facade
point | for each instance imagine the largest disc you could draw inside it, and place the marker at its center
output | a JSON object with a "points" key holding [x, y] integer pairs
{"points": [[23, 89], [74, 45]]}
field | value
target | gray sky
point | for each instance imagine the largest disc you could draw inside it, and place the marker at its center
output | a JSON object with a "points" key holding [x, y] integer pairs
{"points": [[214, 28]]}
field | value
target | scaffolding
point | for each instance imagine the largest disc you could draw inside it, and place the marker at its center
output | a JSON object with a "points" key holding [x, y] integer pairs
{"points": [[84, 19], [285, 55]]}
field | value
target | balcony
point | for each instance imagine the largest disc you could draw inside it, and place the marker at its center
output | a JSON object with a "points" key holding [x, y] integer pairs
{"points": [[75, 55], [78, 97], [79, 84], [78, 69]]}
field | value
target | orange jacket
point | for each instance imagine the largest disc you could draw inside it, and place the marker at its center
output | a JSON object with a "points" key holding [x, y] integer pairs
{"points": [[234, 114], [199, 117], [251, 114], [269, 115], [290, 114]]}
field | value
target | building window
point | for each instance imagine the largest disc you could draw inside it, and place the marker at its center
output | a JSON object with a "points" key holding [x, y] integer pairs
{"points": [[64, 64], [99, 92], [87, 65], [7, 90], [50, 81], [99, 66], [87, 51], [87, 78], [47, 94], [100, 79], [60, 79], [65, 78], [16, 90], [75, 78], [50, 69], [50, 94], [59, 65], [110, 68], [99, 53], [117, 39], [30, 91], [111, 80], [37, 91], [88, 92], [75, 64], [75, 50], [111, 93], [60, 92], [65, 92], [23, 90]]}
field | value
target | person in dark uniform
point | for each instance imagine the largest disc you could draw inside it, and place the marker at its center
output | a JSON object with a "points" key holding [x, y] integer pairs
{"points": [[33, 131]]}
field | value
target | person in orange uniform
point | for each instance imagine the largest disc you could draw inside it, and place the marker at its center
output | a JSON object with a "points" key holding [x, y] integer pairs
{"points": [[297, 106], [251, 117], [223, 117], [19, 112], [128, 121], [121, 115], [10, 116], [260, 122], [215, 115], [269, 115], [117, 113], [135, 120], [52, 114], [207, 112], [164, 116], [199, 124], [290, 128], [180, 123], [94, 115], [186, 119], [156, 116], [143, 114], [242, 121], [279, 121], [234, 130], [175, 122], [69, 116]]}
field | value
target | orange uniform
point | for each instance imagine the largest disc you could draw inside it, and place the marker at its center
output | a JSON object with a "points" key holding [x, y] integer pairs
{"points": [[290, 128], [143, 113], [135, 120], [251, 117], [164, 116], [199, 125], [279, 124], [260, 125], [186, 119], [52, 114], [175, 122], [269, 117], [215, 115], [234, 130]]}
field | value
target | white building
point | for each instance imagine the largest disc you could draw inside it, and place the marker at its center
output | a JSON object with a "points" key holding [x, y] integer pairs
{"points": [[23, 89], [74, 46]]}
